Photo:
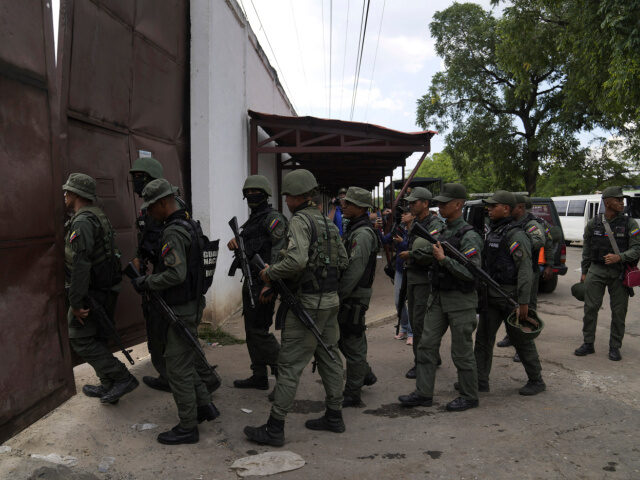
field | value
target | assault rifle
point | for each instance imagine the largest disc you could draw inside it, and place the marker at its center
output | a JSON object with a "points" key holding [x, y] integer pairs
{"points": [[107, 325], [165, 310], [294, 304], [454, 253], [402, 299], [241, 258]]}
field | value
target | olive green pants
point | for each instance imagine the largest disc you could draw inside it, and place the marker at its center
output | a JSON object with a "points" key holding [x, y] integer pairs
{"points": [[89, 341], [535, 283], [599, 278], [262, 344], [354, 349], [156, 336], [188, 389], [462, 323], [298, 347], [417, 296], [488, 326]]}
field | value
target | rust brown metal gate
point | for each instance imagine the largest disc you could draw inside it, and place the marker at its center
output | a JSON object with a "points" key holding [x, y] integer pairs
{"points": [[124, 77], [35, 372]]}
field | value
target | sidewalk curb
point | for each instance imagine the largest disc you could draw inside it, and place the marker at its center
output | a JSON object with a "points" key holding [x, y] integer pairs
{"points": [[377, 322]]}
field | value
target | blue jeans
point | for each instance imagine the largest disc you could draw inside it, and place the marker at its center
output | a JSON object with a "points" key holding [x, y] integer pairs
{"points": [[405, 326]]}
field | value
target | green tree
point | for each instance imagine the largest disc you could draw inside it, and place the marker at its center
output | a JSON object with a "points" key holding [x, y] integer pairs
{"points": [[440, 165], [500, 97]]}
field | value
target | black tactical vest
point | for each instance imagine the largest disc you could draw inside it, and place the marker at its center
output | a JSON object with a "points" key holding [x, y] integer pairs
{"points": [[497, 257], [370, 270], [441, 277], [600, 244], [150, 234], [257, 238], [425, 222]]}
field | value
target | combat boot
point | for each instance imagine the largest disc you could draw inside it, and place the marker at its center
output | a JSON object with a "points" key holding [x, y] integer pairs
{"points": [[533, 388], [351, 401], [414, 399], [460, 404], [584, 349], [411, 374], [260, 383], [178, 435], [331, 421], [119, 389], [159, 383], [94, 390], [370, 379], [271, 433], [207, 412], [614, 354], [505, 342]]}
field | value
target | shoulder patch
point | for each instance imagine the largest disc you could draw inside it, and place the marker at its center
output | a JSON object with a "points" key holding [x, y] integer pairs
{"points": [[532, 229], [471, 252], [634, 232], [166, 248], [513, 247], [354, 244], [274, 223], [434, 231], [73, 236]]}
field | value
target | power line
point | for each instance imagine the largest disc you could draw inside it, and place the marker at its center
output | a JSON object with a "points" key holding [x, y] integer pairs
{"points": [[363, 31], [330, 50], [344, 58], [375, 57], [275, 59], [304, 71], [324, 53]]}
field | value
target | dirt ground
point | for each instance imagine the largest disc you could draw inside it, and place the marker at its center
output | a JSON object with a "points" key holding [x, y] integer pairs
{"points": [[585, 426]]}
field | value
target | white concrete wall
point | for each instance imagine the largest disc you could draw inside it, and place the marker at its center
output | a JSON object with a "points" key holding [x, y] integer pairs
{"points": [[229, 75]]}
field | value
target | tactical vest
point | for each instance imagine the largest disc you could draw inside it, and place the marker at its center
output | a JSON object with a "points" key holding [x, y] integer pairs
{"points": [[412, 237], [600, 244], [535, 252], [106, 269], [150, 235], [366, 281], [498, 261], [257, 238], [321, 273], [441, 277]]}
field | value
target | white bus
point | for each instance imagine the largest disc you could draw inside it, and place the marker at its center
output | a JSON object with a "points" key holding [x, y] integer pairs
{"points": [[576, 210]]}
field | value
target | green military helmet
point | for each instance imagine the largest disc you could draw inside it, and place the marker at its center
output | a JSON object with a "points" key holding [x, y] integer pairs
{"points": [[148, 165], [155, 190], [298, 182], [257, 182], [82, 185], [527, 330], [359, 197], [577, 290]]}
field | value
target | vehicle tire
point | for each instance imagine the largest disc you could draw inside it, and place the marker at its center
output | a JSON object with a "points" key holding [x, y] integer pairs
{"points": [[548, 286]]}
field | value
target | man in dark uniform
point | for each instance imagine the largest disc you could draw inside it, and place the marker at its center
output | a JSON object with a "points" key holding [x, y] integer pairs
{"points": [[263, 233], [417, 259], [176, 279], [603, 267], [92, 269], [507, 258], [452, 305], [143, 171]]}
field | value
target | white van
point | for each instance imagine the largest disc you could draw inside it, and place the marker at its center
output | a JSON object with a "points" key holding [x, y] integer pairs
{"points": [[576, 210]]}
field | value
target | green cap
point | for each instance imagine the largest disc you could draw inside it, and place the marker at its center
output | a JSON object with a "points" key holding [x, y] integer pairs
{"points": [[520, 198], [148, 165], [298, 182], [528, 204], [419, 193], [612, 192], [257, 182], [451, 191], [577, 290], [501, 196], [359, 197], [82, 185], [155, 190]]}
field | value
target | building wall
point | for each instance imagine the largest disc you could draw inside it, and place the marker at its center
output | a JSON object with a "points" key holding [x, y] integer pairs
{"points": [[229, 75]]}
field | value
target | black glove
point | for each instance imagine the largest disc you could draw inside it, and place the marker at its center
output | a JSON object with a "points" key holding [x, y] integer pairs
{"points": [[139, 284]]}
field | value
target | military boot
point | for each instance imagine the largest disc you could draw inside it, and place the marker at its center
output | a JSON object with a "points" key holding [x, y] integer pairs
{"points": [[584, 349], [331, 421], [411, 374], [533, 388], [460, 404], [178, 435], [119, 389], [157, 383], [207, 412], [414, 399], [260, 383], [94, 390], [214, 382], [614, 354], [505, 342], [271, 433], [370, 379], [351, 401]]}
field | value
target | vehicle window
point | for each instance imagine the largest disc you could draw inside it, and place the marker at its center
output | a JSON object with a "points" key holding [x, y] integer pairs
{"points": [[561, 207], [634, 206], [576, 208], [543, 210]]}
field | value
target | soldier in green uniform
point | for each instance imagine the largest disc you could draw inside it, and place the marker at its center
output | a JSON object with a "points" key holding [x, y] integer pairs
{"points": [[176, 280], [507, 258], [92, 269], [362, 245], [452, 304], [603, 267], [417, 259], [311, 265], [263, 233]]}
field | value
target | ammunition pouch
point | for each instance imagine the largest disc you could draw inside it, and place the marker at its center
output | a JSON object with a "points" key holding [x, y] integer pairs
{"points": [[351, 319], [320, 283]]}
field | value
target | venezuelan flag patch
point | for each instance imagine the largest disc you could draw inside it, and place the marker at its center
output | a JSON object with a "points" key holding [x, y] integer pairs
{"points": [[471, 252], [165, 250], [73, 236], [273, 223], [634, 232], [433, 232], [514, 246], [532, 229]]}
